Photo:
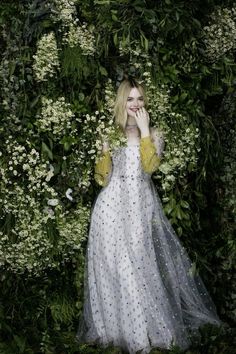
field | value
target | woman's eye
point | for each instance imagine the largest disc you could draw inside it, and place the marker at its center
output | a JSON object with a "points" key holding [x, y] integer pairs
{"points": [[131, 99]]}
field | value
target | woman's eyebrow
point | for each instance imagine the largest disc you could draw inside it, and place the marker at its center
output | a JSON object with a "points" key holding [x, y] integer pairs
{"points": [[138, 97]]}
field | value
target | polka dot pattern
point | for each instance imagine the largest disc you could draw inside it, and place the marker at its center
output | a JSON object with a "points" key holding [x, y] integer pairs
{"points": [[139, 290]]}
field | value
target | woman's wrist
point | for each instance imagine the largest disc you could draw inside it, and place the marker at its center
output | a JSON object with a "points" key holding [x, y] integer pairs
{"points": [[145, 133]]}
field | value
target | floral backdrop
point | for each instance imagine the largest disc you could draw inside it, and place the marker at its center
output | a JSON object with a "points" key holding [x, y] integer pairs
{"points": [[61, 63]]}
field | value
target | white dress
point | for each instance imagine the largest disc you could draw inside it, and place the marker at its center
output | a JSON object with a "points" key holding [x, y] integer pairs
{"points": [[139, 291]]}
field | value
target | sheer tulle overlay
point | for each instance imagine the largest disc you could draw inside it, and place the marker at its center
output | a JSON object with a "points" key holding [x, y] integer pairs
{"points": [[140, 291]]}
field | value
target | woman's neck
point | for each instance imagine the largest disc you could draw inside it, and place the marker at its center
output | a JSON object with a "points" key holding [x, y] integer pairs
{"points": [[131, 121], [132, 130]]}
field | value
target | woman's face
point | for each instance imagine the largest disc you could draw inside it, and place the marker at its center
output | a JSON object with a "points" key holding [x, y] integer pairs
{"points": [[135, 101]]}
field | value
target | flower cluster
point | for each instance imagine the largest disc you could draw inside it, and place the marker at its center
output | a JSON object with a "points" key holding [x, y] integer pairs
{"points": [[95, 128], [180, 135], [229, 177], [33, 250], [106, 129], [72, 228], [24, 177], [82, 36], [79, 169], [12, 83], [109, 97], [73, 34], [55, 116], [46, 60], [27, 246], [64, 11], [34, 213], [158, 97], [180, 155], [220, 35], [133, 49], [228, 134], [10, 99], [23, 184]]}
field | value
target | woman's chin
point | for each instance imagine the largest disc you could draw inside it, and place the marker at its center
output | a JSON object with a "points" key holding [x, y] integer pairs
{"points": [[131, 114]]}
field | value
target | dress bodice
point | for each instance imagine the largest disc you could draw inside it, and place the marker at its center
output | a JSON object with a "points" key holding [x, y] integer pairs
{"points": [[138, 159], [127, 162]]}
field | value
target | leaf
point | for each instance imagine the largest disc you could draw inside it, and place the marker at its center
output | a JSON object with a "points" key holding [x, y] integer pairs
{"points": [[103, 71], [183, 96], [50, 143], [102, 2], [115, 39], [67, 145], [46, 23], [198, 23], [81, 96], [178, 213], [12, 67], [168, 209], [177, 16], [67, 142], [184, 204], [180, 230], [114, 17], [34, 102], [47, 151], [146, 44], [64, 165], [138, 9], [20, 342]]}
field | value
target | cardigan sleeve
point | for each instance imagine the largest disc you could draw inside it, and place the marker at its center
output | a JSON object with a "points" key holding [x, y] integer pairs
{"points": [[149, 158], [103, 168]]}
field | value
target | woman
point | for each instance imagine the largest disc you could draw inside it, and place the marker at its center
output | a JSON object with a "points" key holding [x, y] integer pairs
{"points": [[139, 289]]}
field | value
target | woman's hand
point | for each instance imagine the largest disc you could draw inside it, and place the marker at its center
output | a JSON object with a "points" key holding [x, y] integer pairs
{"points": [[142, 119]]}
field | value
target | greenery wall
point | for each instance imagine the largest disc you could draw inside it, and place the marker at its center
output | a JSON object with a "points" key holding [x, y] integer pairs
{"points": [[61, 62]]}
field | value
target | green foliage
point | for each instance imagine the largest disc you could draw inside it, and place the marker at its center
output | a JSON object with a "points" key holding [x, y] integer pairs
{"points": [[39, 310]]}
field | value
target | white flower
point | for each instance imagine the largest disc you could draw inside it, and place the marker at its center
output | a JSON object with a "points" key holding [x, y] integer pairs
{"points": [[68, 194], [220, 34], [64, 11], [53, 202], [46, 60], [54, 116], [48, 211], [82, 36], [50, 173]]}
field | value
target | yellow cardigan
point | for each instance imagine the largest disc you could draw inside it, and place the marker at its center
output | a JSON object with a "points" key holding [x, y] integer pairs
{"points": [[149, 159]]}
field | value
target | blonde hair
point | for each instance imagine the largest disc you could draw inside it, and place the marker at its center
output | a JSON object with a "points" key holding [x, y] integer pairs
{"points": [[120, 113]]}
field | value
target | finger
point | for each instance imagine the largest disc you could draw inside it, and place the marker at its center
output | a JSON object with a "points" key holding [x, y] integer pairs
{"points": [[144, 110], [136, 116], [140, 112], [146, 113]]}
